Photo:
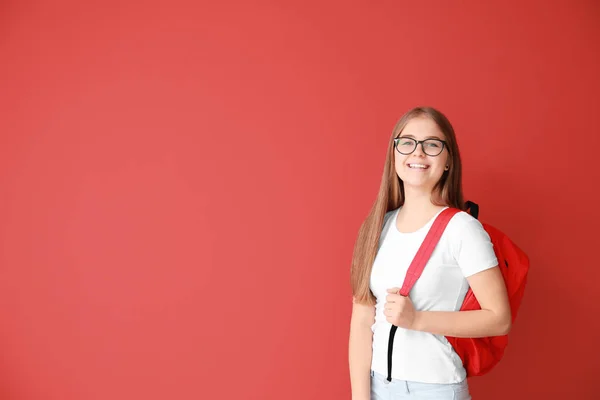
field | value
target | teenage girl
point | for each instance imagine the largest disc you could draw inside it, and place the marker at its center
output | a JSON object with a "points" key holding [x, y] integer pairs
{"points": [[421, 177]]}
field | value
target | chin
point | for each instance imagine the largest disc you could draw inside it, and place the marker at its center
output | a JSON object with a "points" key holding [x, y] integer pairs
{"points": [[418, 184]]}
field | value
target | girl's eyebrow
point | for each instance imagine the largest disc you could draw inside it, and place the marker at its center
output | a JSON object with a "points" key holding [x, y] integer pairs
{"points": [[428, 137]]}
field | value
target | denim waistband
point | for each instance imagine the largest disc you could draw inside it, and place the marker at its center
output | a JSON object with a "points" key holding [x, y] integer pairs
{"points": [[412, 384]]}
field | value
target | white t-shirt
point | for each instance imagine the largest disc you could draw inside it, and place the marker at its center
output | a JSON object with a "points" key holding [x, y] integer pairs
{"points": [[463, 250]]}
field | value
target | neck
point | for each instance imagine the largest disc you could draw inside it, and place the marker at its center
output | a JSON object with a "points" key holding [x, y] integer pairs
{"points": [[418, 201]]}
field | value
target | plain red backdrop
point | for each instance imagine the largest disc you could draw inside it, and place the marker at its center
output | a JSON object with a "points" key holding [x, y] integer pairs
{"points": [[181, 186]]}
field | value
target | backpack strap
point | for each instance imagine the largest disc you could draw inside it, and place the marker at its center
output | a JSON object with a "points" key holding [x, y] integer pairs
{"points": [[431, 240], [473, 209], [417, 266]]}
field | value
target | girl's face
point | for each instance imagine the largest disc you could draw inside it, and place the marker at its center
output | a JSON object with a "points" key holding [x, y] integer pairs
{"points": [[420, 169]]}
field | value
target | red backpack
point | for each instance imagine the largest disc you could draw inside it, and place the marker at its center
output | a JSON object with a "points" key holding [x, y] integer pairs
{"points": [[479, 355]]}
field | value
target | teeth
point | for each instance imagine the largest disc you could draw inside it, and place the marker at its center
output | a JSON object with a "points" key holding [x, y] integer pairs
{"points": [[417, 166]]}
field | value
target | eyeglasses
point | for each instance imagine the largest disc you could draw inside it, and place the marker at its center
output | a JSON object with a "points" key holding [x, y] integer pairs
{"points": [[431, 147]]}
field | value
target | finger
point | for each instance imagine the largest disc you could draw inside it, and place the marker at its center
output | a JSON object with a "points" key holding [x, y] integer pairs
{"points": [[391, 298], [393, 309], [394, 290], [394, 298]]}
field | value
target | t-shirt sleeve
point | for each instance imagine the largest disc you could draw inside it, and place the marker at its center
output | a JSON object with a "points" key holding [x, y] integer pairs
{"points": [[474, 251]]}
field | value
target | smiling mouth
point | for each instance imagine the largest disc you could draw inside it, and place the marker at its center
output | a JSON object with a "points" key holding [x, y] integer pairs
{"points": [[418, 166]]}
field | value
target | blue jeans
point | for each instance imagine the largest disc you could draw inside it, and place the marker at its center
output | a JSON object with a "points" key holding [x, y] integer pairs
{"points": [[381, 389]]}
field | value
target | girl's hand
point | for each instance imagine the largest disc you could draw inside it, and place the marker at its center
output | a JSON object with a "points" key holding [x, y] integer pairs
{"points": [[399, 310]]}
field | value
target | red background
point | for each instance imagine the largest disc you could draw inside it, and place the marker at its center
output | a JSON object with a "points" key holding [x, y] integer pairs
{"points": [[181, 185]]}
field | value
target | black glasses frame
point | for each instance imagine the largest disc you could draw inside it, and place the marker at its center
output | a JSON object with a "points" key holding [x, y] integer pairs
{"points": [[420, 142]]}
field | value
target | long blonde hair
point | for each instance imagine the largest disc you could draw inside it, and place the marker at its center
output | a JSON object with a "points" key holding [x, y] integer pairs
{"points": [[447, 192]]}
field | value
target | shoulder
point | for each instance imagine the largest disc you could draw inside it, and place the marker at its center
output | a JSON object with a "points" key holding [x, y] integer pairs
{"points": [[462, 221], [463, 226], [388, 215], [386, 223], [466, 232], [470, 244]]}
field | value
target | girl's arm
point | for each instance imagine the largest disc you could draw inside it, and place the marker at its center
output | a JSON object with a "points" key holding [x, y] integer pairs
{"points": [[494, 318], [360, 350]]}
